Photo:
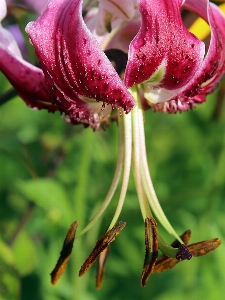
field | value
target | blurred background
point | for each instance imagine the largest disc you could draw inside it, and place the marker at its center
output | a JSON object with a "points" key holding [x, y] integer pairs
{"points": [[52, 173]]}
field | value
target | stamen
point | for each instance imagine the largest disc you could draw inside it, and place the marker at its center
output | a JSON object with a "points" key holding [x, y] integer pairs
{"points": [[205, 247], [64, 254], [151, 249], [101, 245], [116, 177], [185, 237], [101, 268], [126, 166], [165, 263]]}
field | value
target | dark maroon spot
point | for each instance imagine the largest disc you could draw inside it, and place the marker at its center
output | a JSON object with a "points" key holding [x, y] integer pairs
{"points": [[105, 86], [186, 69]]}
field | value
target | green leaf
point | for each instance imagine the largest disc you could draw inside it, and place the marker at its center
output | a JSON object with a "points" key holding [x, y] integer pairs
{"points": [[25, 253], [6, 254], [9, 279], [49, 195]]}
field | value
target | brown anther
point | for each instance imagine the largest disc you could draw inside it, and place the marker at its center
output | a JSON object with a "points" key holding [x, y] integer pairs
{"points": [[100, 246], [165, 264], [64, 254], [185, 237], [101, 268], [151, 249], [205, 247]]}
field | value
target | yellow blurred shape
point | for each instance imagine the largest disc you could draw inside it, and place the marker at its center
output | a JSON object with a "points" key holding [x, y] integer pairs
{"points": [[200, 28]]}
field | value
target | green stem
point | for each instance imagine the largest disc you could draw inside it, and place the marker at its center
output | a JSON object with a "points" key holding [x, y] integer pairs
{"points": [[7, 96]]}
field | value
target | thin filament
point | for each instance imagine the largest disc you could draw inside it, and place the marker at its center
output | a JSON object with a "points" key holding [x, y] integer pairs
{"points": [[126, 166], [145, 209], [115, 180], [148, 186]]}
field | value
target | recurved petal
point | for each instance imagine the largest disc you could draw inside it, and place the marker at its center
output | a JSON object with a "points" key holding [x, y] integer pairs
{"points": [[26, 79], [208, 76], [76, 69], [213, 67], [163, 53]]}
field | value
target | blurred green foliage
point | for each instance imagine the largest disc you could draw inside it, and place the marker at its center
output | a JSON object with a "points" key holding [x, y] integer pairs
{"points": [[53, 173]]}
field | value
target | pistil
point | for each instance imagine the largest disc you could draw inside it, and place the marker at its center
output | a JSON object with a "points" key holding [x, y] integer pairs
{"points": [[145, 190], [131, 147]]}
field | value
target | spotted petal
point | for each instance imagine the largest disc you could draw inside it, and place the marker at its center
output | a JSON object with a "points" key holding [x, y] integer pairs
{"points": [[172, 71], [76, 69], [213, 67], [164, 53]]}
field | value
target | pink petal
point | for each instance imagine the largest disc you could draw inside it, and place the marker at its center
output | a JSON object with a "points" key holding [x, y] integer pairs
{"points": [[76, 69], [30, 84], [163, 43], [26, 79]]}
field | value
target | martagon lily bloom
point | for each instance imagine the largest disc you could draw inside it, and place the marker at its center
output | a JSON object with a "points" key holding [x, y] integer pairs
{"points": [[115, 61]]}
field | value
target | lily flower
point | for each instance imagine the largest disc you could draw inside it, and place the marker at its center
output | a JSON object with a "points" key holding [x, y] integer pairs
{"points": [[145, 58]]}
